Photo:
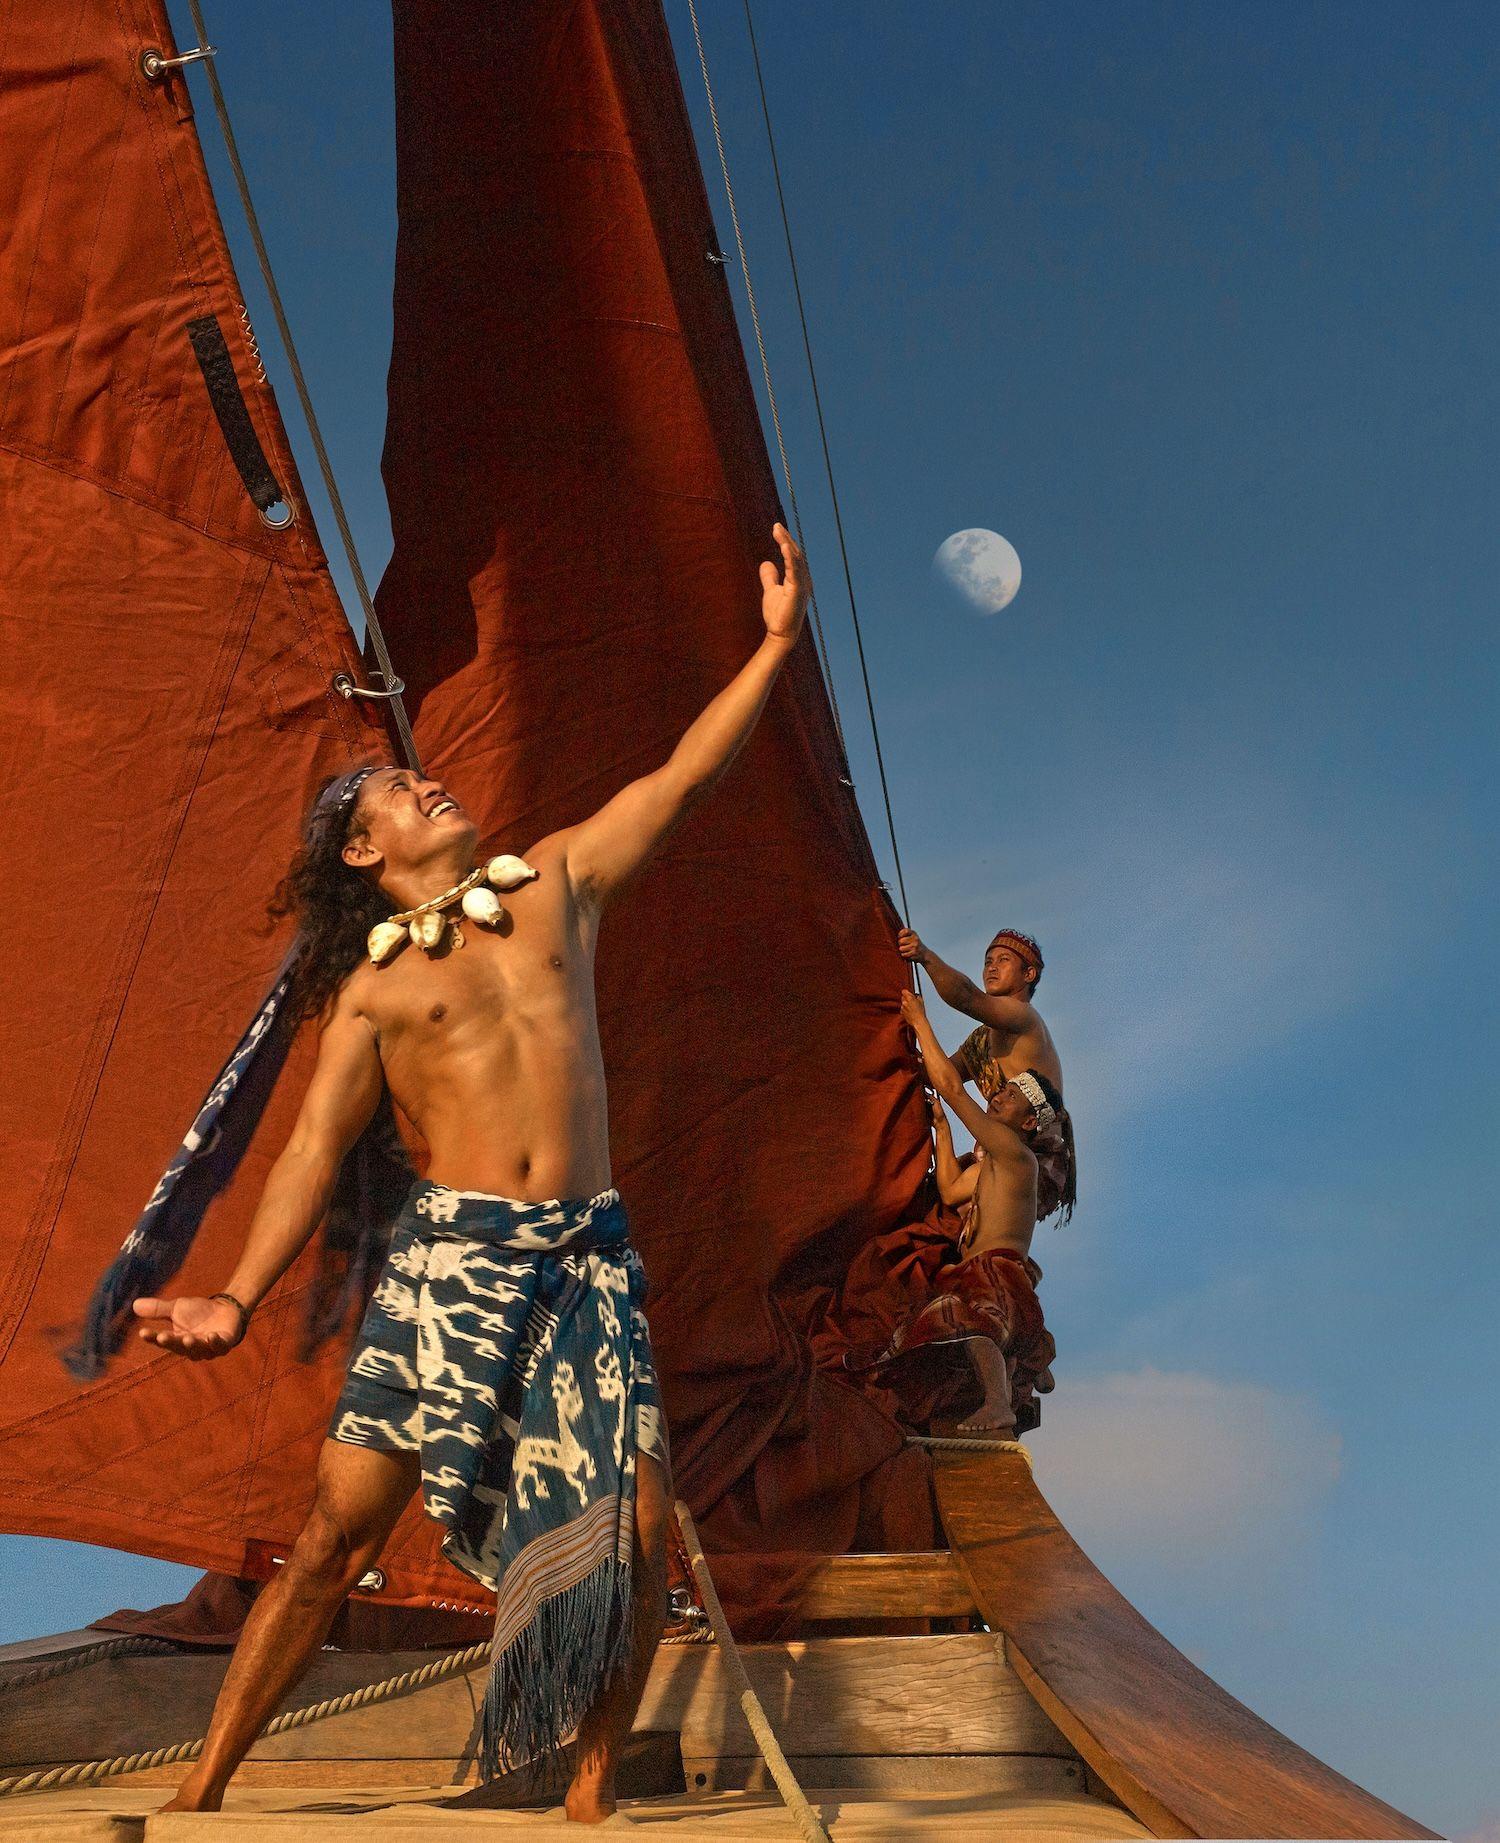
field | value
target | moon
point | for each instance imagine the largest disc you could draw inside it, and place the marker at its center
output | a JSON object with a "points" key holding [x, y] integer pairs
{"points": [[982, 566]]}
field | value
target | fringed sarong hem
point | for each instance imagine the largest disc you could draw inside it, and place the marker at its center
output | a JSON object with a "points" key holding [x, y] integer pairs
{"points": [[555, 1669]]}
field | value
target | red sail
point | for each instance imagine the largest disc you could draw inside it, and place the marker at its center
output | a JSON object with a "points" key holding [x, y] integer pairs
{"points": [[580, 496], [165, 658]]}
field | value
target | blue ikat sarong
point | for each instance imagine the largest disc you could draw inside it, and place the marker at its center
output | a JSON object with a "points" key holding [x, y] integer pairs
{"points": [[507, 1343]]}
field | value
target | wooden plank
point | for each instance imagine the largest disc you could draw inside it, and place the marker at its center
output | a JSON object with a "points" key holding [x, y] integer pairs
{"points": [[27, 1652], [125, 1705], [944, 1694], [976, 1775], [923, 1695], [923, 1585], [1173, 1747]]}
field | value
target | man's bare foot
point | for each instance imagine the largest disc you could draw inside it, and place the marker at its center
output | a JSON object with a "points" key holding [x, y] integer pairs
{"points": [[994, 1418], [590, 1804], [194, 1796]]}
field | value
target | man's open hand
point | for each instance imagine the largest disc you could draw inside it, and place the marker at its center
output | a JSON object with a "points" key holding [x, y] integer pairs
{"points": [[195, 1328], [783, 601]]}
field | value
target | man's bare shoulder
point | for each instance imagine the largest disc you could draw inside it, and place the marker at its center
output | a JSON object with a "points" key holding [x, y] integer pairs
{"points": [[552, 851], [360, 995]]}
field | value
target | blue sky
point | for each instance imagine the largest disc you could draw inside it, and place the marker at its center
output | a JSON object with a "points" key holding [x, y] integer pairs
{"points": [[1197, 308]]}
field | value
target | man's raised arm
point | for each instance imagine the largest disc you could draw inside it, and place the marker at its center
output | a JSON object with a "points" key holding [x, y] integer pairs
{"points": [[340, 1102], [605, 851], [957, 1178], [957, 989], [991, 1135]]}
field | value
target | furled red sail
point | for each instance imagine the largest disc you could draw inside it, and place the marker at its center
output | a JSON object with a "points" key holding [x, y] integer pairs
{"points": [[165, 667], [580, 495]]}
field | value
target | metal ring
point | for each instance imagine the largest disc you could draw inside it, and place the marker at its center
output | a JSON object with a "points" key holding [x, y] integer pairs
{"points": [[346, 687], [156, 67], [278, 524]]}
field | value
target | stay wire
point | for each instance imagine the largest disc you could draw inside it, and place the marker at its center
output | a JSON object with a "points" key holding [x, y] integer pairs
{"points": [[304, 397], [765, 372], [833, 491]]}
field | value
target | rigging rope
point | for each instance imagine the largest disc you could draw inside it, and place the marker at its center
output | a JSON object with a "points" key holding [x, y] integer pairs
{"points": [[833, 491], [91, 1772], [304, 397], [128, 1646], [975, 1443], [885, 790], [794, 1798], [765, 372]]}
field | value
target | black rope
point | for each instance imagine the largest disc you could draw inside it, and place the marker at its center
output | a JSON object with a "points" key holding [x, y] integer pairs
{"points": [[325, 466], [838, 520]]}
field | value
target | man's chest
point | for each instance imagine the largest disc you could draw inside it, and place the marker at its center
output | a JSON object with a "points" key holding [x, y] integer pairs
{"points": [[533, 966]]}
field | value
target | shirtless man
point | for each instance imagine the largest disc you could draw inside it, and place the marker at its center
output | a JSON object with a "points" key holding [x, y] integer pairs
{"points": [[1010, 1040], [493, 1054], [990, 1304], [1015, 1036]]}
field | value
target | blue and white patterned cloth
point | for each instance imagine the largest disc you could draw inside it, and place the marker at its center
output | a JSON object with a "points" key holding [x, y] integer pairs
{"points": [[506, 1342]]}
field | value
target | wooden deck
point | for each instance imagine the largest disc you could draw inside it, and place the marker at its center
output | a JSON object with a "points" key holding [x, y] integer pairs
{"points": [[340, 1815]]}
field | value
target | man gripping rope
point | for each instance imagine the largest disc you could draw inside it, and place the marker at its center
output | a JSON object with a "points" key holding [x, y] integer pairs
{"points": [[982, 1308]]}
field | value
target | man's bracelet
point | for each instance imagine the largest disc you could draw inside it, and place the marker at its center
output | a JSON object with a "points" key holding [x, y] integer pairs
{"points": [[240, 1307]]}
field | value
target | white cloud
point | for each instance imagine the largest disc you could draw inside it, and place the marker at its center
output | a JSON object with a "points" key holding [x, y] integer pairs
{"points": [[1184, 1466]]}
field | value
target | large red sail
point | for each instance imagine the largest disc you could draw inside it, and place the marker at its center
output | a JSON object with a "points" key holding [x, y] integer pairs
{"points": [[580, 495], [165, 667]]}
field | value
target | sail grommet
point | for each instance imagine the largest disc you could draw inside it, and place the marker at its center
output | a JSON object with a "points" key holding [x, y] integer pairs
{"points": [[278, 515], [716, 257], [344, 684], [156, 66]]}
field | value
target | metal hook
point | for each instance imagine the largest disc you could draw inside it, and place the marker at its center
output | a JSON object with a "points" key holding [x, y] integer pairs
{"points": [[716, 257], [346, 687], [156, 67]]}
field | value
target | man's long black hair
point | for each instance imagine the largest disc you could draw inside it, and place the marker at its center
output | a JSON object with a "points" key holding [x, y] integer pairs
{"points": [[334, 908]]}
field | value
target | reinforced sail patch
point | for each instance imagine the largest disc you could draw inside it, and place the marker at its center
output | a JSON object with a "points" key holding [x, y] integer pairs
{"points": [[228, 402]]}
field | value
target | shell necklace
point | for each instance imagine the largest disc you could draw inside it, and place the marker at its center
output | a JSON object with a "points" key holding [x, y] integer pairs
{"points": [[431, 928]]}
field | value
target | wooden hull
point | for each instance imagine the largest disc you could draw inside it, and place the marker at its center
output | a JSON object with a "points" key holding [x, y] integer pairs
{"points": [[1069, 1717]]}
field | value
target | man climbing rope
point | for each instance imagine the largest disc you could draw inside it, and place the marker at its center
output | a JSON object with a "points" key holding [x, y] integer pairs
{"points": [[504, 1362], [986, 1302], [1010, 1040], [983, 1304]]}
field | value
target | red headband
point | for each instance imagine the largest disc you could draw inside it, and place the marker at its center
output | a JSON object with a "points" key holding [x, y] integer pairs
{"points": [[1022, 946]]}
